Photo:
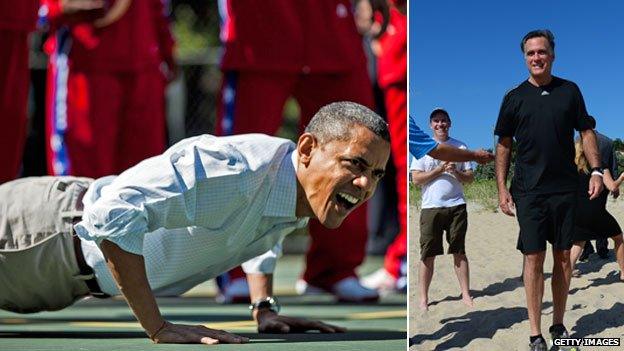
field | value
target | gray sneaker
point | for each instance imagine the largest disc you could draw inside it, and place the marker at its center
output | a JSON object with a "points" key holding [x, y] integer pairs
{"points": [[556, 334], [538, 345]]}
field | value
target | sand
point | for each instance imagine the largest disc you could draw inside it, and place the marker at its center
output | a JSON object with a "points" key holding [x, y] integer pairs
{"points": [[499, 320]]}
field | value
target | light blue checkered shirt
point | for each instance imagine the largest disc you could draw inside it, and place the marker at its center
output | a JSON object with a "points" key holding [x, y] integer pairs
{"points": [[204, 206]]}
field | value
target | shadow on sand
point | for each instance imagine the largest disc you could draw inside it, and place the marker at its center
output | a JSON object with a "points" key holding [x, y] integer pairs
{"points": [[599, 321], [509, 284], [473, 325]]}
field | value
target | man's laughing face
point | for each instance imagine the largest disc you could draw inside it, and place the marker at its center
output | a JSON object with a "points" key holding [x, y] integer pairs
{"points": [[340, 175]]}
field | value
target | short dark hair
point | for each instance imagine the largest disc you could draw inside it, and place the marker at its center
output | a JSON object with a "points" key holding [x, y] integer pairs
{"points": [[334, 122], [439, 110], [539, 33], [592, 121]]}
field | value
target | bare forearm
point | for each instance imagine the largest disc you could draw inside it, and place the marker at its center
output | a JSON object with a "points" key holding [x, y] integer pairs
{"points": [[449, 153], [503, 156], [422, 177], [128, 270], [590, 148]]}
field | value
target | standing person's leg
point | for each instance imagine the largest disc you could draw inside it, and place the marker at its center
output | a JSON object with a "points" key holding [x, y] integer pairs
{"points": [[588, 249], [534, 289], [456, 237], [425, 275], [619, 253], [462, 271], [535, 228], [562, 272], [83, 121], [602, 248], [432, 224], [396, 105], [334, 255], [252, 102], [249, 102], [143, 122], [14, 83], [562, 213], [575, 253]]}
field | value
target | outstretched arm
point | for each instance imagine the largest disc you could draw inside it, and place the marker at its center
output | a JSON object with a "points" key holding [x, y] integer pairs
{"points": [[128, 269], [446, 152]]}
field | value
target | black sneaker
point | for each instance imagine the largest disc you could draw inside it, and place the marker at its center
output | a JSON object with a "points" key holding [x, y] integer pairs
{"points": [[558, 333], [538, 345]]}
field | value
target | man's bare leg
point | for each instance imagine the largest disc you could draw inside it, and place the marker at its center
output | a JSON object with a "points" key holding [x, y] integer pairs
{"points": [[619, 253], [426, 274], [534, 288], [575, 253], [562, 273], [462, 270]]}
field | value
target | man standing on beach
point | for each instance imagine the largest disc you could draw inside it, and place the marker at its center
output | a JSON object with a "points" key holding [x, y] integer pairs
{"points": [[443, 209], [541, 114]]}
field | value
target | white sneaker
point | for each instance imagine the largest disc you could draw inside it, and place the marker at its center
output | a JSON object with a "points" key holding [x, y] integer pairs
{"points": [[380, 280], [350, 290], [303, 288], [237, 291]]}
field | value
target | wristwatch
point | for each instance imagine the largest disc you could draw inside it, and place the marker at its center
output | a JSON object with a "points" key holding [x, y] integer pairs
{"points": [[268, 303], [597, 171]]}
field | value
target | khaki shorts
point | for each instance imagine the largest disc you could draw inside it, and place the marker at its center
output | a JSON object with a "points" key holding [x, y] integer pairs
{"points": [[434, 222], [38, 269]]}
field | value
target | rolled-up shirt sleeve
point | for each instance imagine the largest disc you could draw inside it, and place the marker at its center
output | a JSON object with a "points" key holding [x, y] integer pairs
{"points": [[420, 143], [122, 223], [264, 263]]}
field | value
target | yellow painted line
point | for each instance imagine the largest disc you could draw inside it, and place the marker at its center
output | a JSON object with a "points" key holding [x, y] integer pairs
{"points": [[238, 324], [13, 321], [379, 314]]}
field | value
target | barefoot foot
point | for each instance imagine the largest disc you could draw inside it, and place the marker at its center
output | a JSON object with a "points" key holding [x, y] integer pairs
{"points": [[467, 300]]}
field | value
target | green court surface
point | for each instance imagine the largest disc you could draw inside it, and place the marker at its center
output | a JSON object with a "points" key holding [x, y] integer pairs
{"points": [[94, 324]]}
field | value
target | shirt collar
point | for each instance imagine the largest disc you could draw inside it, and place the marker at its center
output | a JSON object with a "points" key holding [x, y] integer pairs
{"points": [[282, 201]]}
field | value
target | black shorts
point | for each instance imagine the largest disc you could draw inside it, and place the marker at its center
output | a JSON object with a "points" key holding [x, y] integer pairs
{"points": [[545, 217], [434, 222]]}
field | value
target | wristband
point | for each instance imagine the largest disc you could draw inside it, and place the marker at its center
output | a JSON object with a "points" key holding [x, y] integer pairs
{"points": [[597, 173]]}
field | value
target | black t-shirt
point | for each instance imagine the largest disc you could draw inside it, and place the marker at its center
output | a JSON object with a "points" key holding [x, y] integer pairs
{"points": [[542, 120]]}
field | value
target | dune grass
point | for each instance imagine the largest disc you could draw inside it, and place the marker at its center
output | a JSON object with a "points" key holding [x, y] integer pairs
{"points": [[482, 192]]}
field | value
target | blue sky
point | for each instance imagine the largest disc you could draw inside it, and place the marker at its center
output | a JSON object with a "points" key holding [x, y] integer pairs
{"points": [[464, 56]]}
